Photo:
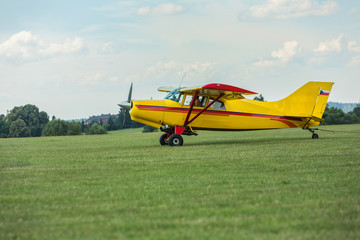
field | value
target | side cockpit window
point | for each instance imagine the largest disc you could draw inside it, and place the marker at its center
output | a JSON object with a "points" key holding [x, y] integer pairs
{"points": [[202, 101], [199, 102], [217, 105], [175, 95]]}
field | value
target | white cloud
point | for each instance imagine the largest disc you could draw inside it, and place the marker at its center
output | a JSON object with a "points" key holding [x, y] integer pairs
{"points": [[354, 47], [354, 11], [92, 80], [143, 11], [171, 67], [24, 46], [163, 9], [4, 94], [285, 9], [107, 48], [355, 61], [281, 56], [68, 47], [334, 45], [162, 67], [334, 51], [98, 79]]}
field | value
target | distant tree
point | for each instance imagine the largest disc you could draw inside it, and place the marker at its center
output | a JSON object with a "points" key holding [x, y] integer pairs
{"points": [[35, 131], [83, 126], [18, 128], [111, 123], [33, 118], [333, 116], [106, 127], [351, 118], [135, 124], [337, 116], [56, 127], [357, 110], [74, 128], [53, 117], [43, 118], [96, 129], [259, 98], [149, 129], [4, 127], [29, 113], [118, 123]]}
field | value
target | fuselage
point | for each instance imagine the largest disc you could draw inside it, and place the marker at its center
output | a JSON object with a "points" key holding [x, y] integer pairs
{"points": [[225, 114]]}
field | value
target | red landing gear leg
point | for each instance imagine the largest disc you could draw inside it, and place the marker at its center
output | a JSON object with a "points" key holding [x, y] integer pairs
{"points": [[176, 138], [173, 138]]}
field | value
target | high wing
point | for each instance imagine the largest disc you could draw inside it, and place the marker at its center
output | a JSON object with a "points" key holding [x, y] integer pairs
{"points": [[165, 89], [215, 89]]}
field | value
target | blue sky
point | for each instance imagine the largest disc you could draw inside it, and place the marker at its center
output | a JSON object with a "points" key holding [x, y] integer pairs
{"points": [[74, 59]]}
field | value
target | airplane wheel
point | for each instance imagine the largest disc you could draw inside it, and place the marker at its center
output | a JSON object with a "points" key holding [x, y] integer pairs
{"points": [[176, 140], [315, 136], [163, 139]]}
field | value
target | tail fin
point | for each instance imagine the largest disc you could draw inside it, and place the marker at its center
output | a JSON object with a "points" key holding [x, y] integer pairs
{"points": [[308, 101]]}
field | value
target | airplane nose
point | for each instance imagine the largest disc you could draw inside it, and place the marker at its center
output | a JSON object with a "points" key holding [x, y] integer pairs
{"points": [[126, 105]]}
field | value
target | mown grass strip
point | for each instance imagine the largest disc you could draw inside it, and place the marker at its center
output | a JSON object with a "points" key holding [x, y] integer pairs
{"points": [[277, 184]]}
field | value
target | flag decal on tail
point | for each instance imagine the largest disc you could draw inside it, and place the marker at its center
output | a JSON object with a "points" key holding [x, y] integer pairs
{"points": [[324, 92]]}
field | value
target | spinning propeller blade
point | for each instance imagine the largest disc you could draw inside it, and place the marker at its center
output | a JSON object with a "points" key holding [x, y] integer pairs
{"points": [[126, 104], [130, 93]]}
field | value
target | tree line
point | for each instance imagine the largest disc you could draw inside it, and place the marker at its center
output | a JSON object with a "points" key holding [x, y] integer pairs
{"points": [[338, 116], [29, 121]]}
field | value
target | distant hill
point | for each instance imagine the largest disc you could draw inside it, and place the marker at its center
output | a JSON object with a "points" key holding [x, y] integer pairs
{"points": [[346, 107]]}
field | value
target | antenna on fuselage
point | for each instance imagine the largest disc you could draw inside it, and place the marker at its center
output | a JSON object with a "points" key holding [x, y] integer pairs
{"points": [[182, 79]]}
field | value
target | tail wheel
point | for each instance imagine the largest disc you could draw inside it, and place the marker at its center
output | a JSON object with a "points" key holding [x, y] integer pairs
{"points": [[315, 136], [163, 139], [176, 140]]}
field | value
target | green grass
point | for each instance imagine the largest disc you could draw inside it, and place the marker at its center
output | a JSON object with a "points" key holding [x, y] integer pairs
{"points": [[276, 184]]}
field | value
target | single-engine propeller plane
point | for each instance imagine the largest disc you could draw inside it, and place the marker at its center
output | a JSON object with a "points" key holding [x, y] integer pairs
{"points": [[223, 107]]}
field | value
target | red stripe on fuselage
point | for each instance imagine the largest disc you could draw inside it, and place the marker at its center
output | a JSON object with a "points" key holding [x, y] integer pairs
{"points": [[216, 112], [290, 124]]}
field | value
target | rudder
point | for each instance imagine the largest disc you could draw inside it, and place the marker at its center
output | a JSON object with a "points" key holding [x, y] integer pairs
{"points": [[320, 105]]}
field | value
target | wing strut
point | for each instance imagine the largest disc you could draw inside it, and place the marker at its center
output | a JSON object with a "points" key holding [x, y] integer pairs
{"points": [[205, 108], [187, 122], [180, 129]]}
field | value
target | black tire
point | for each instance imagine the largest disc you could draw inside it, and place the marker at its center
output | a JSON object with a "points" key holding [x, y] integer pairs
{"points": [[315, 136], [176, 140], [163, 139]]}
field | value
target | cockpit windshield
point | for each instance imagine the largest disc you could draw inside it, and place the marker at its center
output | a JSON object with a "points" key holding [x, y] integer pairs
{"points": [[175, 95]]}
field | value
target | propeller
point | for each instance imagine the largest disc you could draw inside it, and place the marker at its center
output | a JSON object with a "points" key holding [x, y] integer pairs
{"points": [[126, 104]]}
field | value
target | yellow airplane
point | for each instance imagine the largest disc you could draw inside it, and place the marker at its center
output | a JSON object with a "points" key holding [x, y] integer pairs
{"points": [[223, 107]]}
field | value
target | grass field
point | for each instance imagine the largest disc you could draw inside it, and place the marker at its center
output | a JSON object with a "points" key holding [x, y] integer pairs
{"points": [[276, 184]]}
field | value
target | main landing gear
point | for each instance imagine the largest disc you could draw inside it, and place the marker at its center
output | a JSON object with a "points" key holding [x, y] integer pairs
{"points": [[314, 135], [172, 140], [172, 136]]}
